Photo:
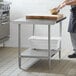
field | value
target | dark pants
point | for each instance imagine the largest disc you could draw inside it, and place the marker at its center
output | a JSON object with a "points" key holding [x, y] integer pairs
{"points": [[72, 29], [73, 40], [72, 23]]}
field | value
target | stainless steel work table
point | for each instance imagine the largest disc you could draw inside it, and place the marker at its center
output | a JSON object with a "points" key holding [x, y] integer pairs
{"points": [[35, 54]]}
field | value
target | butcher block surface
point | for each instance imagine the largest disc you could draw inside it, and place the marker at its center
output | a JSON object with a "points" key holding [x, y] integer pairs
{"points": [[45, 17]]}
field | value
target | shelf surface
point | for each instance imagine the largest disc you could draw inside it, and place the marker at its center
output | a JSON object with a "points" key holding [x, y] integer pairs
{"points": [[38, 53]]}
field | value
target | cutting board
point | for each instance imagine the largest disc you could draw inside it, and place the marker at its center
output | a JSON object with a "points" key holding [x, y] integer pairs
{"points": [[45, 17]]}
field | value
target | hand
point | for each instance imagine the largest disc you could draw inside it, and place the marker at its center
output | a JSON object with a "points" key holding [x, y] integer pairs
{"points": [[54, 11]]}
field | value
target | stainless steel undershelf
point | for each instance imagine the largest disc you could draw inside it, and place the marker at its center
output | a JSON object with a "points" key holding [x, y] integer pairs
{"points": [[38, 53]]}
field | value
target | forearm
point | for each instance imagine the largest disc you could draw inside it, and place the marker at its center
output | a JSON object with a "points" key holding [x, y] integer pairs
{"points": [[62, 4], [70, 2], [67, 2]]}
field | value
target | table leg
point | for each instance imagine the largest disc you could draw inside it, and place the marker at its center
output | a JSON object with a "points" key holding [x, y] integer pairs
{"points": [[3, 44], [19, 45], [33, 29], [60, 40], [49, 42]]}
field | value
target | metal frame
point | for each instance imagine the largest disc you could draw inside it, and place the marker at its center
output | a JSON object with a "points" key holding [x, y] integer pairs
{"points": [[49, 43]]}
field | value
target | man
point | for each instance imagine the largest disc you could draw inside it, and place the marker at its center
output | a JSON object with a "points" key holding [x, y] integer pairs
{"points": [[72, 23]]}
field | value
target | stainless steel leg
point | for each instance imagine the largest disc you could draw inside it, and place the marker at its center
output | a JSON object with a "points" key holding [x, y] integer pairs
{"points": [[34, 33], [3, 44], [60, 40], [33, 29], [49, 56], [19, 45]]}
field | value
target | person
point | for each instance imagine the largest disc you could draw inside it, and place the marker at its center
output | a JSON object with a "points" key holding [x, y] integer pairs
{"points": [[72, 23]]}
